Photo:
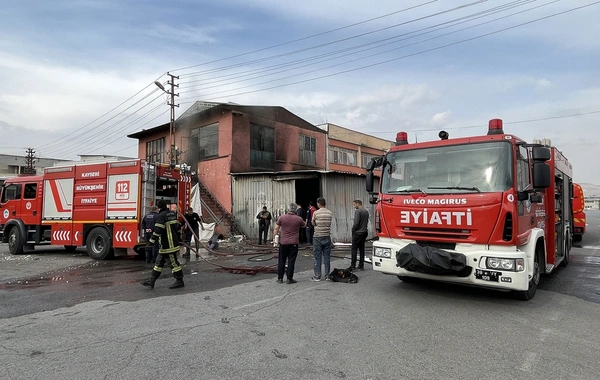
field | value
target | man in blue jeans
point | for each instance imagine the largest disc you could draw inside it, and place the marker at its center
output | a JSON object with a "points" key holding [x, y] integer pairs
{"points": [[321, 221]]}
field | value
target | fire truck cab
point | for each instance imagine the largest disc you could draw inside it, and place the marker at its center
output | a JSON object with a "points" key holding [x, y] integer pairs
{"points": [[490, 211], [98, 205]]}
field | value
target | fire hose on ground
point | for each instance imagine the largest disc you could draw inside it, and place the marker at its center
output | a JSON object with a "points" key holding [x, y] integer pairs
{"points": [[251, 270]]}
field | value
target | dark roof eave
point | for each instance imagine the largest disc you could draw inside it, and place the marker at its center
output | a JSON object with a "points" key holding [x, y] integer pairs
{"points": [[147, 132]]}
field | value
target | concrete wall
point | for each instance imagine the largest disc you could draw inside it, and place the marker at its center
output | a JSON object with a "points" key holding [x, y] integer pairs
{"points": [[9, 164]]}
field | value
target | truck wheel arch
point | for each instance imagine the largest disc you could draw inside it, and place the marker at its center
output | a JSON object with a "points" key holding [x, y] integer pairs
{"points": [[20, 226]]}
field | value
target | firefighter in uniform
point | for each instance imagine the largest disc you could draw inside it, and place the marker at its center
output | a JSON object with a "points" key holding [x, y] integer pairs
{"points": [[166, 231]]}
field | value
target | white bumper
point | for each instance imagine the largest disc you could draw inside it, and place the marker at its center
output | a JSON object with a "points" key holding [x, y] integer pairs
{"points": [[475, 255]]}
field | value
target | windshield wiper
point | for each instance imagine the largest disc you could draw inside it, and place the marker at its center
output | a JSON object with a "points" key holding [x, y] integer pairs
{"points": [[407, 191], [472, 188]]}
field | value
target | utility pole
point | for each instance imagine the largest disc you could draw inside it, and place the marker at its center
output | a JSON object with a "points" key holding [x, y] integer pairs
{"points": [[173, 151], [29, 161]]}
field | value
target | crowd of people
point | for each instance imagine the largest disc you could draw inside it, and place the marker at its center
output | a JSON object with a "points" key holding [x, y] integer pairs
{"points": [[313, 226], [164, 235]]}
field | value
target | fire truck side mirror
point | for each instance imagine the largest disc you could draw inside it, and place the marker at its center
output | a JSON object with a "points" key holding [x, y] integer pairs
{"points": [[369, 181], [541, 175], [540, 154]]}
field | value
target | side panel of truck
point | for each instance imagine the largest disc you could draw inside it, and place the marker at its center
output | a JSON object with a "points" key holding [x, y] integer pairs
{"points": [[58, 199]]}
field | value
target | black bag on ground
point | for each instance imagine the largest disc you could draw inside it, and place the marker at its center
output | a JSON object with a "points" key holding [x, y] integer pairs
{"points": [[343, 275]]}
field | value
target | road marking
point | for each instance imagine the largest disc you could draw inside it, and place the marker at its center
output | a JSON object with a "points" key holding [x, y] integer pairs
{"points": [[590, 246], [529, 362]]}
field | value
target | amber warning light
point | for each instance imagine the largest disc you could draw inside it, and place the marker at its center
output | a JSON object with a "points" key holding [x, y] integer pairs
{"points": [[401, 138], [495, 127]]}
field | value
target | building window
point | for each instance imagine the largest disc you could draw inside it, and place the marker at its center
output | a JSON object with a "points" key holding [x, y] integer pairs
{"points": [[262, 147], [155, 151], [206, 139], [16, 169], [308, 150], [366, 158], [342, 156]]}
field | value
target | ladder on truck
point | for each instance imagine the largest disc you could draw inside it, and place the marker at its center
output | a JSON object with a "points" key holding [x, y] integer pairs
{"points": [[148, 190]]}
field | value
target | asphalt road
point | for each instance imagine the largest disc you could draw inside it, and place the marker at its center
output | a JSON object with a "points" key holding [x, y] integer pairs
{"points": [[100, 323]]}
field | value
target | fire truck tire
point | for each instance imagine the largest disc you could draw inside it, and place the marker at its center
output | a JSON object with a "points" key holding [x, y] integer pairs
{"points": [[15, 241], [528, 294], [99, 244]]}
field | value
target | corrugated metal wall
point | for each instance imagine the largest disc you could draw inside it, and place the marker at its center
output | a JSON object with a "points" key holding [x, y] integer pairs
{"points": [[251, 193], [340, 190]]}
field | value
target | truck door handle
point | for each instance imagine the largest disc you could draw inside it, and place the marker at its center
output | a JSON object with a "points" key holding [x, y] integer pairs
{"points": [[14, 212], [532, 220]]}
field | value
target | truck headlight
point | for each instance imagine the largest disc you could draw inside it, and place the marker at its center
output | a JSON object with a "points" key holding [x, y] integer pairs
{"points": [[382, 252], [498, 263]]}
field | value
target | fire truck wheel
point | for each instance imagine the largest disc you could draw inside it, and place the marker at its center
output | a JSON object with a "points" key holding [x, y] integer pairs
{"points": [[15, 243], [528, 294], [99, 244]]}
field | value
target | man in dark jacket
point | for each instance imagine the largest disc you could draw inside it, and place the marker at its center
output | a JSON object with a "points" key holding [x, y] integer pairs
{"points": [[148, 227], [359, 234], [264, 221], [194, 220], [166, 228]]}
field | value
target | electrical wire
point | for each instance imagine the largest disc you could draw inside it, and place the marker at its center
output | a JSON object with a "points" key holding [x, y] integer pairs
{"points": [[100, 136], [363, 58], [101, 116], [69, 146], [336, 41], [302, 39], [493, 10], [405, 56]]}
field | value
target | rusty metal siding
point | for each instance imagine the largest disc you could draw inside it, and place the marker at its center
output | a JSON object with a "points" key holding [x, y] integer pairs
{"points": [[251, 193], [340, 191]]}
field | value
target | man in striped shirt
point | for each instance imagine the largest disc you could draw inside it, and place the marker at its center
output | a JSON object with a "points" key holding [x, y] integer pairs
{"points": [[321, 220]]}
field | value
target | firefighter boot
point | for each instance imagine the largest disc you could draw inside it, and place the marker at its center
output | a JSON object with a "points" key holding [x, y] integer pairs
{"points": [[178, 282], [151, 280]]}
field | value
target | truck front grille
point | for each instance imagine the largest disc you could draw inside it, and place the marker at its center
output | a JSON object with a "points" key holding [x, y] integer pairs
{"points": [[423, 233]]}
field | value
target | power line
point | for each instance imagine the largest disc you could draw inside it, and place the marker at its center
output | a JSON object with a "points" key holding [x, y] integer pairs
{"points": [[406, 56], [524, 121], [98, 132], [375, 54], [303, 38], [335, 41], [100, 117], [56, 144]]}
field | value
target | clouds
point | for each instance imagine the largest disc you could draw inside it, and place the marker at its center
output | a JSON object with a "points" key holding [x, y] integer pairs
{"points": [[82, 71]]}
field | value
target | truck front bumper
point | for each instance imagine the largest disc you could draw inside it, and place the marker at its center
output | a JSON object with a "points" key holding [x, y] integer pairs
{"points": [[476, 272]]}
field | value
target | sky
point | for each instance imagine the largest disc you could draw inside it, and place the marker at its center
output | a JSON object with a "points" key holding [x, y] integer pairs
{"points": [[76, 77]]}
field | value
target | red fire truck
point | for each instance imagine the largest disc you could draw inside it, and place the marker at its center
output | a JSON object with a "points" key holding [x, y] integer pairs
{"points": [[578, 213], [97, 205], [490, 211]]}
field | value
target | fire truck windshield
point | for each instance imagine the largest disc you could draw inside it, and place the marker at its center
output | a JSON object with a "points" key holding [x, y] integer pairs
{"points": [[468, 168]]}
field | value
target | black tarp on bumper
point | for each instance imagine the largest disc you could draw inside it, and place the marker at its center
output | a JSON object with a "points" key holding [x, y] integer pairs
{"points": [[432, 260]]}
